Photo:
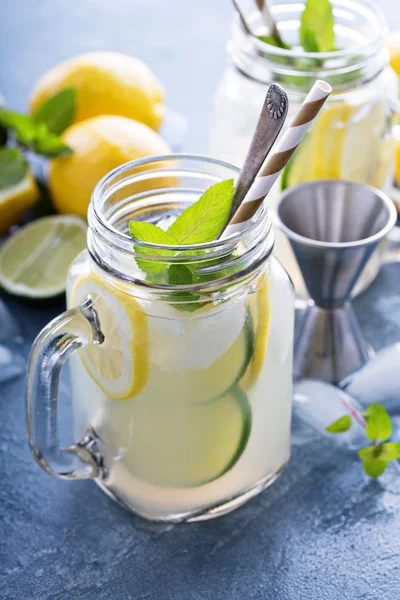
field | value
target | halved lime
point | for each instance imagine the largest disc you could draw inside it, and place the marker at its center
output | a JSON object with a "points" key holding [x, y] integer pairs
{"points": [[180, 445], [35, 260]]}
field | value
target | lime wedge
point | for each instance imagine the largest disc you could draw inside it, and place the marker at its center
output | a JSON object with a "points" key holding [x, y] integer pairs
{"points": [[34, 262]]}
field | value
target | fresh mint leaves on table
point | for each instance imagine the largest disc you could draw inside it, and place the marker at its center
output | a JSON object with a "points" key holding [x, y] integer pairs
{"points": [[39, 134], [58, 111], [316, 28], [378, 429], [198, 224], [340, 425]]}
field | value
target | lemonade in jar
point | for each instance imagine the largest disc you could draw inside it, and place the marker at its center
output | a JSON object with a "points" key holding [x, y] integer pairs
{"points": [[353, 137], [180, 356]]}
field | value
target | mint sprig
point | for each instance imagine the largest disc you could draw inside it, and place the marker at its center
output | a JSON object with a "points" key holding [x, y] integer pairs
{"points": [[33, 136], [40, 133], [198, 224], [378, 429], [316, 29]]}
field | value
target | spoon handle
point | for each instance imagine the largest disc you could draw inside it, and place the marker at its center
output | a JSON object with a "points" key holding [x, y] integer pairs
{"points": [[269, 125]]}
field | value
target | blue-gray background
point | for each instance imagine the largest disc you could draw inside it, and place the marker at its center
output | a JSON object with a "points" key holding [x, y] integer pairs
{"points": [[323, 531]]}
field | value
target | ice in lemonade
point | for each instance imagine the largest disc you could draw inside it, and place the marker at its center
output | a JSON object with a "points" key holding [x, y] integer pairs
{"points": [[195, 406]]}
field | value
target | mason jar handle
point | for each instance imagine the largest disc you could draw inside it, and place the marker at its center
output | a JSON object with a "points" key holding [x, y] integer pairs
{"points": [[74, 329]]}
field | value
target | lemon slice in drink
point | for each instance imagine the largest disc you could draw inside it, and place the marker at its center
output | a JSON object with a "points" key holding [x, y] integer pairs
{"points": [[119, 365], [35, 260], [346, 142], [366, 153], [175, 444], [261, 317]]}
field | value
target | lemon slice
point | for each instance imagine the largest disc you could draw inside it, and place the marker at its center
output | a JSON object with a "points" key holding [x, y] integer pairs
{"points": [[346, 142], [119, 365], [366, 153], [35, 260], [15, 200], [261, 315], [176, 444]]}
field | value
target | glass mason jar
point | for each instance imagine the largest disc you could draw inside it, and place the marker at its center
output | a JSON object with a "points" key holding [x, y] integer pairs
{"points": [[181, 389], [352, 138]]}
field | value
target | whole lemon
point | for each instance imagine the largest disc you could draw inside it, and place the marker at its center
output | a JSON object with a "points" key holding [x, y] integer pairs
{"points": [[99, 145], [107, 83]]}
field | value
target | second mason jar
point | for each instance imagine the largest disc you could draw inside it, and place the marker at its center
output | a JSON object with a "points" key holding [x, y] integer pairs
{"points": [[353, 137]]}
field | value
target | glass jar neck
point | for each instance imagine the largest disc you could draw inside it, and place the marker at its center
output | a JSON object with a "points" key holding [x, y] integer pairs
{"points": [[156, 190], [360, 32]]}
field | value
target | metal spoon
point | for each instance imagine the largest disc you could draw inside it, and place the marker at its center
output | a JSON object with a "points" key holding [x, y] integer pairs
{"points": [[270, 123]]}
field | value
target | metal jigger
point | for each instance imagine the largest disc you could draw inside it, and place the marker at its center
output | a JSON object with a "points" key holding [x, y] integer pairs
{"points": [[333, 227]]}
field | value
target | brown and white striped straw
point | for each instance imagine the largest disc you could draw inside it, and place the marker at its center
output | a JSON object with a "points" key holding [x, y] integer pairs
{"points": [[276, 162]]}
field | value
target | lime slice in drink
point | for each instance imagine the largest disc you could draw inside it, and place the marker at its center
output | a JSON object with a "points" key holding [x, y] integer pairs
{"points": [[34, 261], [175, 444], [209, 384]]}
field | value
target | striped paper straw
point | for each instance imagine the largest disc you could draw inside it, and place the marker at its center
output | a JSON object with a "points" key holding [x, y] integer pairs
{"points": [[276, 162]]}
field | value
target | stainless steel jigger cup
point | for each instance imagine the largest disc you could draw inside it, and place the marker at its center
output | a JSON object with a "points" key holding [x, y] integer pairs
{"points": [[333, 228]]}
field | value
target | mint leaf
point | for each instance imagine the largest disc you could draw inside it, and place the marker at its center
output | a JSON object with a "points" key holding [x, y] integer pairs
{"points": [[33, 135], [203, 221], [24, 127], [58, 111], [379, 424], [147, 232], [13, 167], [373, 463], [317, 27], [180, 275], [49, 144], [340, 425], [269, 39], [390, 451]]}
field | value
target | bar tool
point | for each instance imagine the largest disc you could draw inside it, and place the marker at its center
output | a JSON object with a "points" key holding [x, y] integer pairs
{"points": [[333, 227]]}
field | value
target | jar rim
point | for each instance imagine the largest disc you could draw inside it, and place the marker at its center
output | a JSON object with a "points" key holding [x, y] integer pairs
{"points": [[363, 54], [121, 238], [341, 53], [219, 263]]}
